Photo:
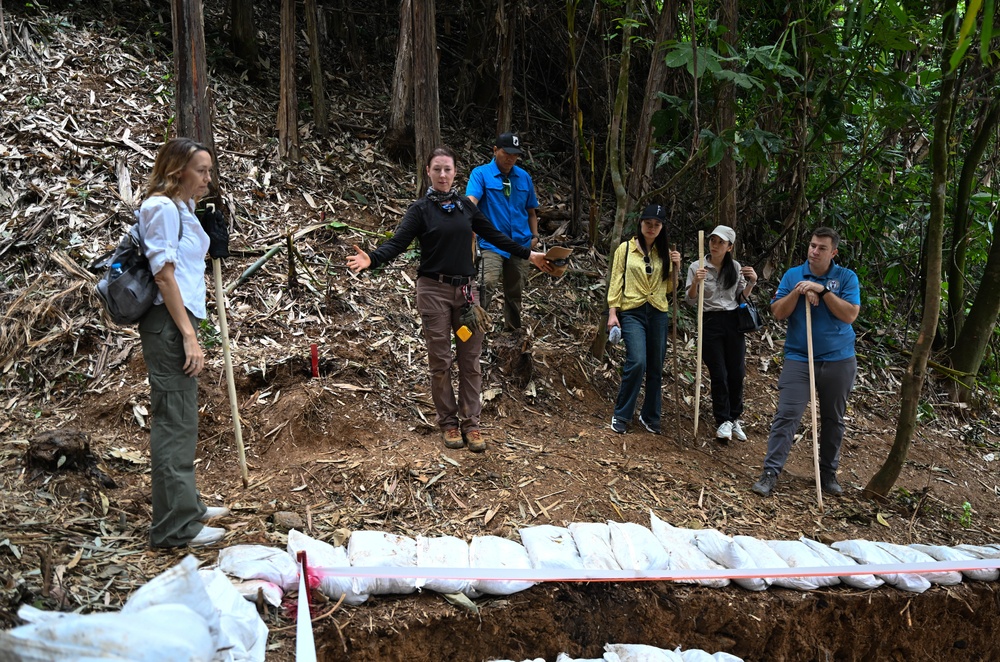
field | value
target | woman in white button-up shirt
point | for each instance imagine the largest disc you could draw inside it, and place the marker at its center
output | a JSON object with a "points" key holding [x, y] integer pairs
{"points": [[176, 246]]}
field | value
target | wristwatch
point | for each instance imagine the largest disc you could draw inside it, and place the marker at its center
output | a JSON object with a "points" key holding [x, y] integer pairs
{"points": [[823, 292]]}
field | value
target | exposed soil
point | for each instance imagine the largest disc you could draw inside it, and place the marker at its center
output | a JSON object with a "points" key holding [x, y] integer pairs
{"points": [[357, 448]]}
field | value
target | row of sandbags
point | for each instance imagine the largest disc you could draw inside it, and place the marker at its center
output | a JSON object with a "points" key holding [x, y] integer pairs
{"points": [[181, 614], [580, 546], [644, 653]]}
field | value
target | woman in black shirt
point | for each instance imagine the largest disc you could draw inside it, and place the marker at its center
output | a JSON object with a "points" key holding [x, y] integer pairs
{"points": [[445, 224]]}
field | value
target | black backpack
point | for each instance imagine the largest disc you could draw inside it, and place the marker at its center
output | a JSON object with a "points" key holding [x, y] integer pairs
{"points": [[127, 289]]}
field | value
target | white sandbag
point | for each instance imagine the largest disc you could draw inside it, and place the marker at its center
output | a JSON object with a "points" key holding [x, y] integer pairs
{"points": [[444, 552], [694, 655], [765, 557], [158, 633], [723, 550], [249, 588], [798, 555], [682, 555], [636, 548], [638, 653], [563, 657], [722, 656], [178, 585], [945, 553], [666, 531], [910, 555], [240, 623], [368, 549], [593, 542], [321, 555], [260, 562], [498, 553], [835, 558], [864, 551], [982, 551], [551, 547]]}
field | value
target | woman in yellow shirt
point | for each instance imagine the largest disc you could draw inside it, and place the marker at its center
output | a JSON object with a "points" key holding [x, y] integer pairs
{"points": [[637, 302]]}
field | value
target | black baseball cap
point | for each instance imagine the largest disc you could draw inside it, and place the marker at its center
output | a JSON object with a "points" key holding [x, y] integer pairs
{"points": [[655, 211], [509, 143]]}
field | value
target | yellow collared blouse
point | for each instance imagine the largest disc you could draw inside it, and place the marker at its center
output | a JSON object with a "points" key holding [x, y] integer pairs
{"points": [[631, 286]]}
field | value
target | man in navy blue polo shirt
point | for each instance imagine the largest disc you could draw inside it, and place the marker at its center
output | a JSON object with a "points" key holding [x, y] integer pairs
{"points": [[835, 297], [505, 194]]}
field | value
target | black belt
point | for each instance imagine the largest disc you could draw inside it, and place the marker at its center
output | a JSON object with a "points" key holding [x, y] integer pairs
{"points": [[454, 281]]}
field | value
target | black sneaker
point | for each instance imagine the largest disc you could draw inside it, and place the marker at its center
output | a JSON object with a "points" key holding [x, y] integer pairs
{"points": [[828, 483], [766, 483], [649, 428], [617, 425]]}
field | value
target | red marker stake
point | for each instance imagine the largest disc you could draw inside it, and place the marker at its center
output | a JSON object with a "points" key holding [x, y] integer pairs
{"points": [[314, 351]]}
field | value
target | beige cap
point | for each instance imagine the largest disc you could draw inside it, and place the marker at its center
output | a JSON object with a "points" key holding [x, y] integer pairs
{"points": [[724, 232]]}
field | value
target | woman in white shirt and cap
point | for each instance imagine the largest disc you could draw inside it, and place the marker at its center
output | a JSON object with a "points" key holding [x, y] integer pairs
{"points": [[723, 348]]}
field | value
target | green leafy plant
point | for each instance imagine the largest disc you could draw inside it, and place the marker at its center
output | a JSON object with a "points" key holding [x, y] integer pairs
{"points": [[965, 519], [208, 334]]}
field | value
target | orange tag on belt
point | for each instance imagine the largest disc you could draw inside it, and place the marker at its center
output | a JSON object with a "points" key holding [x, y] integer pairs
{"points": [[463, 333]]}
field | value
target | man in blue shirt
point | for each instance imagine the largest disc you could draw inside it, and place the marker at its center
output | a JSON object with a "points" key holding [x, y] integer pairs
{"points": [[835, 297], [506, 195]]}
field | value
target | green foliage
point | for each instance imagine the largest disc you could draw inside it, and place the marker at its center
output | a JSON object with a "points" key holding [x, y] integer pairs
{"points": [[208, 334], [965, 519]]}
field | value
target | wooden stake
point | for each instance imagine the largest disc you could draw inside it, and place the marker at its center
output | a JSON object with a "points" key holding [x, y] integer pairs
{"points": [[812, 400], [673, 350], [701, 306], [220, 301]]}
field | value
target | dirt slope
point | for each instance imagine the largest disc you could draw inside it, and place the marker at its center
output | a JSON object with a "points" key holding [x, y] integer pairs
{"points": [[354, 448]]}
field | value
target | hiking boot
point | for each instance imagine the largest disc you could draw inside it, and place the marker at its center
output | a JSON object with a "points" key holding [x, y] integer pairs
{"points": [[209, 535], [725, 431], [738, 432], [766, 483], [211, 512], [453, 438], [649, 428], [618, 425], [828, 483], [476, 442]]}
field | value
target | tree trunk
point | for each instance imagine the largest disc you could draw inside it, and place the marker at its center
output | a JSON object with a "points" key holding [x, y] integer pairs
{"points": [[426, 106], [243, 38], [316, 71], [400, 133], [960, 224], [288, 112], [574, 110], [642, 157], [194, 105], [507, 28], [616, 161], [194, 110], [968, 353], [913, 380], [725, 116]]}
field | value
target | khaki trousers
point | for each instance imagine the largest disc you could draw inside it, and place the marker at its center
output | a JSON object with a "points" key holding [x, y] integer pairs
{"points": [[440, 307], [173, 431], [513, 271]]}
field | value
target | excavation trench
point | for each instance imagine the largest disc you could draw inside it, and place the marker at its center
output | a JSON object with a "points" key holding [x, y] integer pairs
{"points": [[956, 623]]}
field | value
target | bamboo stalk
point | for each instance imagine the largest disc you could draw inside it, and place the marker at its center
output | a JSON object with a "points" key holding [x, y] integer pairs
{"points": [[220, 301], [673, 351], [812, 401], [701, 306]]}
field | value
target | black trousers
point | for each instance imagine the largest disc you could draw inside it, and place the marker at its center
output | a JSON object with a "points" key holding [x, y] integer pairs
{"points": [[724, 352]]}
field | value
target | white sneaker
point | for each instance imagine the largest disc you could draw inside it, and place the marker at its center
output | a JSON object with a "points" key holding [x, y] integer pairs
{"points": [[725, 431], [211, 512], [209, 535], [738, 431]]}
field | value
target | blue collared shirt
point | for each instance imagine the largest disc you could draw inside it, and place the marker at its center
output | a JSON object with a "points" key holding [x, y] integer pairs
{"points": [[508, 214], [833, 339]]}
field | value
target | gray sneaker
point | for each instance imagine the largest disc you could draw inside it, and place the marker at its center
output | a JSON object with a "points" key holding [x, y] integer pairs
{"points": [[738, 433], [766, 483], [617, 425], [828, 483], [649, 428]]}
